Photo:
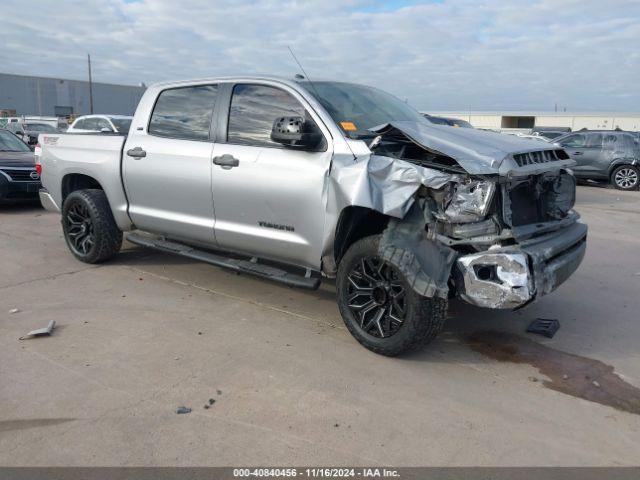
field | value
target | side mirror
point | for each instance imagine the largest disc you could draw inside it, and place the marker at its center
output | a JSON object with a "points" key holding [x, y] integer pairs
{"points": [[295, 132]]}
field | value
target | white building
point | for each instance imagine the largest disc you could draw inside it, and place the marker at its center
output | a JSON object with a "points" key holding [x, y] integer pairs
{"points": [[529, 120]]}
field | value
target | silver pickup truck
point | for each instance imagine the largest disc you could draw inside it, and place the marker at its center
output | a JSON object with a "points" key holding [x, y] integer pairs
{"points": [[295, 181]]}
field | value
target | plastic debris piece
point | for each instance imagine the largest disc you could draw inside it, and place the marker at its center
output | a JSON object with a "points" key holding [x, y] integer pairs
{"points": [[40, 331], [14, 310], [544, 326], [183, 410], [212, 401]]}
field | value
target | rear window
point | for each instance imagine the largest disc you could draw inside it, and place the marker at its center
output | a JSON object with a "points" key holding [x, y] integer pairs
{"points": [[39, 127], [184, 113]]}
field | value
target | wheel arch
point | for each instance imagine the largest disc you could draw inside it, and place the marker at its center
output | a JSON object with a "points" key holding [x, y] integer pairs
{"points": [[72, 182], [354, 224]]}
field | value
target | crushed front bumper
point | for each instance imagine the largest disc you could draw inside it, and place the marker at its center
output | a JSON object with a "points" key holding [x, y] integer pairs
{"points": [[512, 276]]}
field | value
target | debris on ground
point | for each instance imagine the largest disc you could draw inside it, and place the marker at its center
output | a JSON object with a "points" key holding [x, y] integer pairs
{"points": [[212, 401], [596, 384], [533, 379], [40, 331], [219, 392], [14, 310], [544, 326], [183, 410]]}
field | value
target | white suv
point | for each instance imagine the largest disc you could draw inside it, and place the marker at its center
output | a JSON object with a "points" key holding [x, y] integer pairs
{"points": [[101, 124]]}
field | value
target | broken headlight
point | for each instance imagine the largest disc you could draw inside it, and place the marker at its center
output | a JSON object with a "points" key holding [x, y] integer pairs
{"points": [[470, 202]]}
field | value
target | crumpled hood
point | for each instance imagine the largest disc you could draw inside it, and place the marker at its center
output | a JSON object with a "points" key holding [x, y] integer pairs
{"points": [[17, 159], [477, 151]]}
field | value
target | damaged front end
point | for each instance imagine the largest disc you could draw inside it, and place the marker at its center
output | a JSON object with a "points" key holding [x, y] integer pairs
{"points": [[492, 225]]}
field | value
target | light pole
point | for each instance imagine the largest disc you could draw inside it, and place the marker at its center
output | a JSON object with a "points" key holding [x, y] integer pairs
{"points": [[90, 85]]}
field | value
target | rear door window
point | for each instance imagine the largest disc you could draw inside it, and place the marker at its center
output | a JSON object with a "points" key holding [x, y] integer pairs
{"points": [[253, 110], [102, 123], [184, 113], [91, 124], [574, 141], [594, 140]]}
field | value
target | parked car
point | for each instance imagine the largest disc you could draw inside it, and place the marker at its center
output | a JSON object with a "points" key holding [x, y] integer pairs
{"points": [[538, 138], [19, 179], [29, 131], [608, 155], [452, 122], [325, 179], [101, 124], [549, 133]]}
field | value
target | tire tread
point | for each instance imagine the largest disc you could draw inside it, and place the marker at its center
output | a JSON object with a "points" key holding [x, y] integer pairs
{"points": [[107, 235], [429, 315]]}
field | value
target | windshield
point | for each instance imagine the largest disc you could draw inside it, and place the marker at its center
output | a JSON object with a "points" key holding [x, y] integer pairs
{"points": [[10, 143], [122, 124], [357, 108], [38, 127]]}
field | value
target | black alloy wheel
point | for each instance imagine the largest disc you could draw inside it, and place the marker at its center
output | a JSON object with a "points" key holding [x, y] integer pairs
{"points": [[376, 297], [79, 229], [88, 225]]}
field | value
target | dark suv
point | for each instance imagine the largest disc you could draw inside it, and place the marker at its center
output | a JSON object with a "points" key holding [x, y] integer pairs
{"points": [[605, 155]]}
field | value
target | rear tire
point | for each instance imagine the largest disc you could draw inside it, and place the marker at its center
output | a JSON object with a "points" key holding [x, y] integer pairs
{"points": [[625, 177], [378, 305], [89, 228]]}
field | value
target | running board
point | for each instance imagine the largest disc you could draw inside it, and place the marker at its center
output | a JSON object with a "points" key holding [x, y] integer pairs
{"points": [[251, 267]]}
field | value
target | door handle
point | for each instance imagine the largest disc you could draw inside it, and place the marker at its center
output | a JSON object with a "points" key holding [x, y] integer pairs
{"points": [[577, 153], [136, 153], [226, 161]]}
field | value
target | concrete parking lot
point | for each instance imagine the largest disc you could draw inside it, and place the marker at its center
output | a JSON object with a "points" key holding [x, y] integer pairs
{"points": [[147, 333]]}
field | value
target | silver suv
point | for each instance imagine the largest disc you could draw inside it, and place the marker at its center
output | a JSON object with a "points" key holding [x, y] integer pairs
{"points": [[295, 181]]}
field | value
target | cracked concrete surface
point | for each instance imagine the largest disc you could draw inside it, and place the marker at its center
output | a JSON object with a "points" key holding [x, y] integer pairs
{"points": [[148, 332]]}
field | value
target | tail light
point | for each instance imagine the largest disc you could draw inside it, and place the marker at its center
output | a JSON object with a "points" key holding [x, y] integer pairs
{"points": [[37, 152]]}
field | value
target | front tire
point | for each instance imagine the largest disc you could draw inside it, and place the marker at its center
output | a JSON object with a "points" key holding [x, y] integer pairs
{"points": [[378, 305], [89, 228], [625, 177]]}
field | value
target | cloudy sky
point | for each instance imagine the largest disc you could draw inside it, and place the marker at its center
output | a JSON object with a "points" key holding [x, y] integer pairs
{"points": [[437, 54]]}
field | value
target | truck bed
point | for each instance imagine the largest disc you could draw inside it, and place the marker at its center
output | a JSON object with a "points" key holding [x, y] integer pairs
{"points": [[66, 157]]}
